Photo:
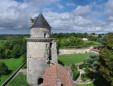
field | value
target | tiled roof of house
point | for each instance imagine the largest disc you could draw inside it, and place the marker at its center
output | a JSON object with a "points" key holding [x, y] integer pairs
{"points": [[54, 73]]}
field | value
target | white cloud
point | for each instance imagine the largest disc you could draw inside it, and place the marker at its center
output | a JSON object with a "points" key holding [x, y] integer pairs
{"points": [[109, 7], [16, 15], [81, 10], [82, 19], [69, 22]]}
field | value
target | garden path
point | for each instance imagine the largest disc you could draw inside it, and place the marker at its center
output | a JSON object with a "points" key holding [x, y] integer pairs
{"points": [[79, 81]]}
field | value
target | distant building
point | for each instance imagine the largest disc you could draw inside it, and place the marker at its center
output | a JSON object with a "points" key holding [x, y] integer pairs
{"points": [[95, 50], [94, 35], [85, 39]]}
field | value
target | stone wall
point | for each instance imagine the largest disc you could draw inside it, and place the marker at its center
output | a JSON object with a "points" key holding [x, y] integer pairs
{"points": [[37, 56], [36, 49], [74, 51], [35, 70], [40, 32], [54, 52]]}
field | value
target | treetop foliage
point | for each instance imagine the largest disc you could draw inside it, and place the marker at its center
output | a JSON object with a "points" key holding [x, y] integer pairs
{"points": [[3, 69], [13, 48], [106, 60]]}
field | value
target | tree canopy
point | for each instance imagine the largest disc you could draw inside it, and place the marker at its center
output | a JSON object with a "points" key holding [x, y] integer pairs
{"points": [[106, 60]]}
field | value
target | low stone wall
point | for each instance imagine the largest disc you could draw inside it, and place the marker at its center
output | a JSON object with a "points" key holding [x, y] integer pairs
{"points": [[74, 51]]}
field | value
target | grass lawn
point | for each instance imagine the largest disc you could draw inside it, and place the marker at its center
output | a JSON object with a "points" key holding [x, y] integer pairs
{"points": [[12, 65], [85, 84], [19, 80], [73, 58], [92, 43]]}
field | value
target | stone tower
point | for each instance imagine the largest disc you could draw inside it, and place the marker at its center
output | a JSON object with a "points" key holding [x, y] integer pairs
{"points": [[41, 50]]}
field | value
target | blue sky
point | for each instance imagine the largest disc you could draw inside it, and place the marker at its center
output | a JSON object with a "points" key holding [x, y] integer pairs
{"points": [[75, 3], [63, 15]]}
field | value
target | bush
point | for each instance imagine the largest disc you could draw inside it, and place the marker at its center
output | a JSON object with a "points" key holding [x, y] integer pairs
{"points": [[83, 66], [84, 77], [60, 62], [4, 69], [73, 67], [70, 42], [76, 74]]}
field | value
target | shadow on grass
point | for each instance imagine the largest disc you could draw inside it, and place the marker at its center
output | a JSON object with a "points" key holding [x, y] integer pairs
{"points": [[98, 79]]}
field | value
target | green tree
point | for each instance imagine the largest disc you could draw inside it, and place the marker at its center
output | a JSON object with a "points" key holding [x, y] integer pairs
{"points": [[5, 49], [13, 48], [3, 69], [106, 60], [16, 51], [7, 53]]}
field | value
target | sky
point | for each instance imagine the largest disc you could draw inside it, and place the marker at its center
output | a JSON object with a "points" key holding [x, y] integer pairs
{"points": [[64, 16]]}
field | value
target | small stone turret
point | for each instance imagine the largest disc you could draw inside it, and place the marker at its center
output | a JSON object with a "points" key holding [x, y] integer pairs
{"points": [[41, 50]]}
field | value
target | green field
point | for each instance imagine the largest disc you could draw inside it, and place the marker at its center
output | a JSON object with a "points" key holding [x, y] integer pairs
{"points": [[19, 80], [85, 84], [73, 58], [12, 65], [92, 43]]}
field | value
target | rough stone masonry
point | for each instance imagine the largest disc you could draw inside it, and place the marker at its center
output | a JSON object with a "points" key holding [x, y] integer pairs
{"points": [[41, 50]]}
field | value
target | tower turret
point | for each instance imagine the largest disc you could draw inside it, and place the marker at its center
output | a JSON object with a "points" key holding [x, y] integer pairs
{"points": [[40, 27], [41, 50]]}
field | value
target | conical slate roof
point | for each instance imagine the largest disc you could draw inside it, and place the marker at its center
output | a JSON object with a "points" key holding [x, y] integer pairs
{"points": [[41, 22]]}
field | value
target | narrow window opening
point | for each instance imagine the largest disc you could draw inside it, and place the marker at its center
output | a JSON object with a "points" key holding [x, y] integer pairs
{"points": [[50, 51], [44, 35]]}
